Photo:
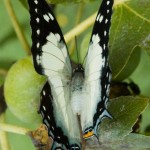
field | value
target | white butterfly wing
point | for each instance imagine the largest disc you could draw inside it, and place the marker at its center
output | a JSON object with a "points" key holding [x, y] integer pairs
{"points": [[51, 58], [49, 50], [97, 73]]}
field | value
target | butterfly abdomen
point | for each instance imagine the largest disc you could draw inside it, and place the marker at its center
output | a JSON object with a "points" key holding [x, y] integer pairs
{"points": [[76, 93]]}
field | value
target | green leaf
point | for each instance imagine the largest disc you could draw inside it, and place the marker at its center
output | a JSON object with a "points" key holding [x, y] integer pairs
{"points": [[129, 142], [125, 111], [115, 133], [130, 28], [135, 142]]}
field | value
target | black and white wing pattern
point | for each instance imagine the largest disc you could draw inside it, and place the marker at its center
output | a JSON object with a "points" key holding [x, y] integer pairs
{"points": [[97, 73], [51, 58], [84, 91]]}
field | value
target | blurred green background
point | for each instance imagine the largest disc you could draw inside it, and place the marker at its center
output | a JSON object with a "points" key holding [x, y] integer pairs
{"points": [[121, 40]]}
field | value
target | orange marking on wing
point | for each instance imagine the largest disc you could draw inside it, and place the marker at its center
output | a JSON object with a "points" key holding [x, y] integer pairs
{"points": [[89, 134]]}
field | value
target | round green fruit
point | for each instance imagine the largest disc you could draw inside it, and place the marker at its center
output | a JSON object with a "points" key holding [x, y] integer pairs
{"points": [[22, 91]]}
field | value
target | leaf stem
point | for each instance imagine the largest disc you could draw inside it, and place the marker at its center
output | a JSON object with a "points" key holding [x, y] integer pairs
{"points": [[80, 28], [77, 21], [136, 13], [17, 26], [3, 136], [13, 129]]}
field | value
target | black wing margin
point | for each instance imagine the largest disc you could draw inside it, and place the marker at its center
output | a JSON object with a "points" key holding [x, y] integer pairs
{"points": [[97, 72], [43, 22]]}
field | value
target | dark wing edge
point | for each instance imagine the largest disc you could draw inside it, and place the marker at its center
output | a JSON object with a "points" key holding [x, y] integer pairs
{"points": [[97, 70], [43, 22], [103, 29]]}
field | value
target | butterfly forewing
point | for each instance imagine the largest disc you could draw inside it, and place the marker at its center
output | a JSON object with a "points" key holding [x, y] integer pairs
{"points": [[49, 50], [51, 58], [97, 72]]}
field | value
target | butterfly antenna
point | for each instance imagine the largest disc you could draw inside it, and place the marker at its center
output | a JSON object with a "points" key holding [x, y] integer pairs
{"points": [[77, 52], [84, 58]]}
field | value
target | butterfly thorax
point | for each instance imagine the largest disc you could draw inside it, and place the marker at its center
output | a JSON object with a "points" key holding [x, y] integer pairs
{"points": [[77, 94]]}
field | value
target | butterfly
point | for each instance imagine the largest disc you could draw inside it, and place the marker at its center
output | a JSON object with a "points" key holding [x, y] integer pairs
{"points": [[68, 92]]}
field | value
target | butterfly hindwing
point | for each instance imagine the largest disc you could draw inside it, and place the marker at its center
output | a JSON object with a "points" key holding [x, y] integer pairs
{"points": [[51, 58], [97, 72], [48, 115]]}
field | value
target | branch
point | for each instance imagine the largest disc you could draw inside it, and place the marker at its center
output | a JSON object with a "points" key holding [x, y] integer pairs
{"points": [[3, 137], [80, 28], [17, 26], [13, 129], [77, 21]]}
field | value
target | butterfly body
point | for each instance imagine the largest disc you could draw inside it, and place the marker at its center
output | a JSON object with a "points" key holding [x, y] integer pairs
{"points": [[77, 90], [67, 92]]}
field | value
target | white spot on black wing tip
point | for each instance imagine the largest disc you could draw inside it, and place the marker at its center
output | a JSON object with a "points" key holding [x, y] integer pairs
{"points": [[46, 18], [108, 2], [105, 33], [35, 1], [108, 11], [106, 20], [44, 93], [104, 46], [37, 20], [36, 10], [38, 45], [38, 31], [51, 17], [44, 108], [101, 18]]}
